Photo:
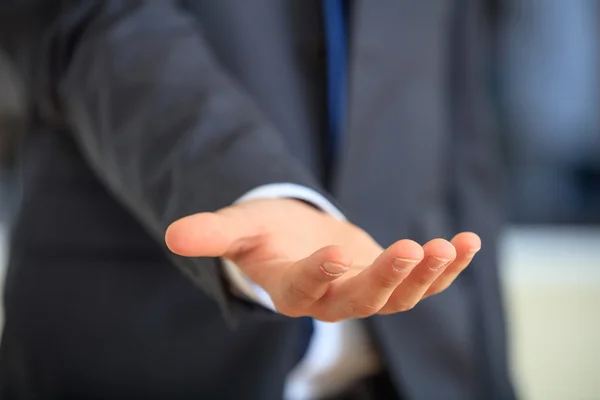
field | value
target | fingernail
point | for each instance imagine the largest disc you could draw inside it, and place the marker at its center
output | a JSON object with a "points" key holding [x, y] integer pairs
{"points": [[404, 264], [334, 269], [471, 253], [435, 263]]}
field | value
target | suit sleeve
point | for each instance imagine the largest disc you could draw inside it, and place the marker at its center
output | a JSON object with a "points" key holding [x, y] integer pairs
{"points": [[166, 129]]}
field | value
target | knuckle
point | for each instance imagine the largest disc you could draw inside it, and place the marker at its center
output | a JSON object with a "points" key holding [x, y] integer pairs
{"points": [[296, 293], [423, 280], [361, 309], [386, 281]]}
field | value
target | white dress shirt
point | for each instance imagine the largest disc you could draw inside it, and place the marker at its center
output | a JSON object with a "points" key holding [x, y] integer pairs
{"points": [[339, 353]]}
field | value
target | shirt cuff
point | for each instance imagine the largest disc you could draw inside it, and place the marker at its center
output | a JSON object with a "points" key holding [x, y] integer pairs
{"points": [[239, 281]]}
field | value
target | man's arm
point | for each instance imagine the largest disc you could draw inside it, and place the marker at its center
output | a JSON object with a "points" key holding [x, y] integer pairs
{"points": [[173, 136], [164, 127]]}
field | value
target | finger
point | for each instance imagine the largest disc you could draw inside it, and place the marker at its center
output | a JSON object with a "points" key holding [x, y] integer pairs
{"points": [[308, 280], [467, 244], [364, 294], [438, 254], [207, 234]]}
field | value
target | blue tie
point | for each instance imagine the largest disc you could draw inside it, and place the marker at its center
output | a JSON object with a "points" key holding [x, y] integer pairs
{"points": [[333, 11], [335, 37]]}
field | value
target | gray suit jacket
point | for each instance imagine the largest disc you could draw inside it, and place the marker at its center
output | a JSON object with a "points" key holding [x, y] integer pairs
{"points": [[147, 111]]}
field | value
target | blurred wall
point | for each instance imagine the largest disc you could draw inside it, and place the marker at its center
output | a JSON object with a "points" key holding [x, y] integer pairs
{"points": [[550, 102], [551, 98]]}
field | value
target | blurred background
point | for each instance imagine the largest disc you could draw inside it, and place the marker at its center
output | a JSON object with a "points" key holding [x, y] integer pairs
{"points": [[547, 79], [545, 76]]}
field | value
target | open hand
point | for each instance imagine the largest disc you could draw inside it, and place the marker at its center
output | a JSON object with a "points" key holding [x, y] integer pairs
{"points": [[314, 265]]}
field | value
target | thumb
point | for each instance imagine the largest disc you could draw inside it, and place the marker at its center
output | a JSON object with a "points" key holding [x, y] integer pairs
{"points": [[206, 234]]}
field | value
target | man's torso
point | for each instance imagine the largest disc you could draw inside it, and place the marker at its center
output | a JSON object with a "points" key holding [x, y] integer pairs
{"points": [[93, 302]]}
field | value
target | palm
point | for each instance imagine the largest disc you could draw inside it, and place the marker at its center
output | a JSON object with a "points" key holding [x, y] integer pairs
{"points": [[312, 264], [282, 238]]}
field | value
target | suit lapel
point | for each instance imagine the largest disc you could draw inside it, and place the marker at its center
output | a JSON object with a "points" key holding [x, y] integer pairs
{"points": [[398, 116], [391, 177]]}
